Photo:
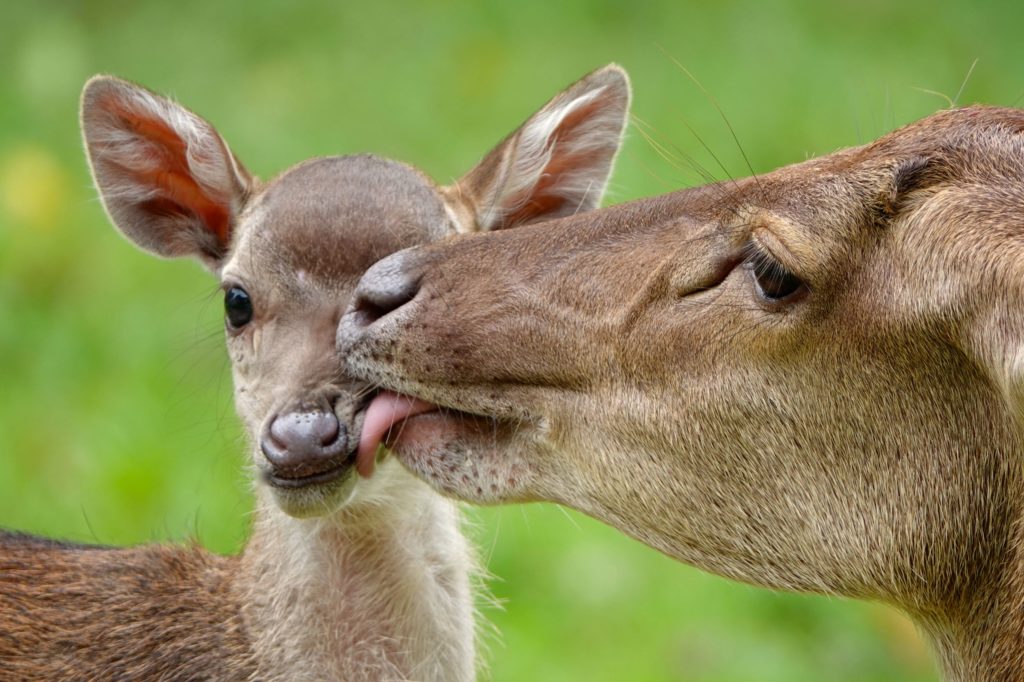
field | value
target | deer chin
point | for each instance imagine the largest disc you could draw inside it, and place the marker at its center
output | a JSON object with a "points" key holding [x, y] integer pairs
{"points": [[318, 496], [469, 456]]}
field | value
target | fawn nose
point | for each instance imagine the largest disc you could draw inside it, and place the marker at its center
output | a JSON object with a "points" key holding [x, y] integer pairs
{"points": [[387, 286], [303, 447]]}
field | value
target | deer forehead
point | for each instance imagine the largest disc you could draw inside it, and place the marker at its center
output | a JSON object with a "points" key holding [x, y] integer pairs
{"points": [[317, 227], [944, 177]]}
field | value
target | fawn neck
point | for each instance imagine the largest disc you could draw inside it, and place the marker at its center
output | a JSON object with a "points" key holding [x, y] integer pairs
{"points": [[368, 592]]}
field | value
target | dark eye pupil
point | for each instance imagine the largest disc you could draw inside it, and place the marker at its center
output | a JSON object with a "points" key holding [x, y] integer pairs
{"points": [[773, 281], [238, 307]]}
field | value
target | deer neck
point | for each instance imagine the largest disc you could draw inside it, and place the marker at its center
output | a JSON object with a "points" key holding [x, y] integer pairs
{"points": [[982, 638], [378, 590]]}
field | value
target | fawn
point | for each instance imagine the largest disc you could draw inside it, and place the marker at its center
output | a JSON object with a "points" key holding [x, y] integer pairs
{"points": [[811, 379], [345, 576]]}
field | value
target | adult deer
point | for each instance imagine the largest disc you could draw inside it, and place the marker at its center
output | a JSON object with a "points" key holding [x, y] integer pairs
{"points": [[809, 380], [343, 578]]}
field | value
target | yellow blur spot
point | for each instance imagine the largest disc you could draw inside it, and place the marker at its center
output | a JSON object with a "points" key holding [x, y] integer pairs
{"points": [[33, 188], [903, 637]]}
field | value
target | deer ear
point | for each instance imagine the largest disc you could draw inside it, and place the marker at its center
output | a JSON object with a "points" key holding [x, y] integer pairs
{"points": [[555, 164], [995, 338], [167, 179]]}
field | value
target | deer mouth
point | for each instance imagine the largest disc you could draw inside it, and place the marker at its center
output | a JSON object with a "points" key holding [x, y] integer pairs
{"points": [[466, 455], [384, 424], [311, 494], [292, 480], [402, 422]]}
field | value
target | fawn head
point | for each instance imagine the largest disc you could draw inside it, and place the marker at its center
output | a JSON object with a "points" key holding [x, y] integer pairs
{"points": [[289, 252]]}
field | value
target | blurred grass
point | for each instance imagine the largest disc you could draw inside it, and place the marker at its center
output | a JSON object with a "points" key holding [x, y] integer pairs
{"points": [[115, 414]]}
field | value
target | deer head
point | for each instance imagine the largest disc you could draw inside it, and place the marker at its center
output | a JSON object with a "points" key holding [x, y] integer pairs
{"points": [[809, 379]]}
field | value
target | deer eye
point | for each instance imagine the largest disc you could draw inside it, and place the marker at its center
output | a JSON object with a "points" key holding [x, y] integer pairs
{"points": [[237, 307], [772, 280]]}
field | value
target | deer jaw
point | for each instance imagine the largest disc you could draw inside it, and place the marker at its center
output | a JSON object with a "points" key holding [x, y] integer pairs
{"points": [[858, 434]]}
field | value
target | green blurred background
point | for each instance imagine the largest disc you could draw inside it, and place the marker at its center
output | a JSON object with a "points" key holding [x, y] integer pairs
{"points": [[116, 423]]}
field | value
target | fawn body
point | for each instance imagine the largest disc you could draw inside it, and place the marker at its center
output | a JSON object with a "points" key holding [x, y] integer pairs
{"points": [[808, 380], [345, 576]]}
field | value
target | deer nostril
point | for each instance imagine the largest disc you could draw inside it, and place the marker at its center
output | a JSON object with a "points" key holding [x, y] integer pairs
{"points": [[384, 288], [329, 431], [303, 441]]}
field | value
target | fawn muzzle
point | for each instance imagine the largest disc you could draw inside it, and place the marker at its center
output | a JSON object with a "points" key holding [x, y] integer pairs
{"points": [[305, 448]]}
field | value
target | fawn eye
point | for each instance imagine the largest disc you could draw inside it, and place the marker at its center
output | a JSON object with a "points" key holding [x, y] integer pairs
{"points": [[771, 278], [237, 307]]}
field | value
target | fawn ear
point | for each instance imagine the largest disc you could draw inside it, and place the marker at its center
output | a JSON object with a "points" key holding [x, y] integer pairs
{"points": [[167, 179], [555, 164]]}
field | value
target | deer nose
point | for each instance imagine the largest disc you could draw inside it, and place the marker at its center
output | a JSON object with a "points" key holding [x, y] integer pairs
{"points": [[304, 447], [387, 286]]}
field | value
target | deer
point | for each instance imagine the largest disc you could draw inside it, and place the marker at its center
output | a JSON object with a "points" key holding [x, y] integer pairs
{"points": [[810, 379], [350, 573]]}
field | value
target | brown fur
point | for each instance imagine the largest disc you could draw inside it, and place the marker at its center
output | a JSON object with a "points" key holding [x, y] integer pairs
{"points": [[862, 438], [343, 578], [168, 613]]}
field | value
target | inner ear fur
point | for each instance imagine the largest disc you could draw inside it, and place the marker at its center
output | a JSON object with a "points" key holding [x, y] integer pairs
{"points": [[557, 163], [166, 177]]}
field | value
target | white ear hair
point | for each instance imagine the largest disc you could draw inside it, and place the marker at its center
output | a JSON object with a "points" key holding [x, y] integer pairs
{"points": [[166, 177], [559, 161], [204, 153], [582, 187]]}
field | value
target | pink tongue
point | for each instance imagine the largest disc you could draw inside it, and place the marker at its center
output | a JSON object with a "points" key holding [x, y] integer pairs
{"points": [[385, 412]]}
